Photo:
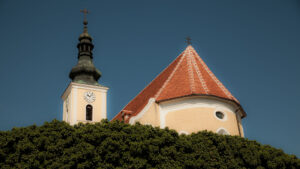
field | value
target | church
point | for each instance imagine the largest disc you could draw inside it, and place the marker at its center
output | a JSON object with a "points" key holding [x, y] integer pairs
{"points": [[186, 96]]}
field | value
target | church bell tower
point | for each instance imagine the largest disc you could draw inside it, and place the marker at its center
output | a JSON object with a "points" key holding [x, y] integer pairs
{"points": [[84, 100]]}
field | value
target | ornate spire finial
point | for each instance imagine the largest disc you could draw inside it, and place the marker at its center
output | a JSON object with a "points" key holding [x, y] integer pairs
{"points": [[85, 12], [188, 40], [85, 72]]}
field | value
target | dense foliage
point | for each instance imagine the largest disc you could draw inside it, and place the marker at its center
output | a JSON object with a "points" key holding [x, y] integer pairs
{"points": [[118, 145]]}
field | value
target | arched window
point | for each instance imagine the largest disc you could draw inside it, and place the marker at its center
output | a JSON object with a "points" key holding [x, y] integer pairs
{"points": [[89, 112], [183, 132], [222, 131]]}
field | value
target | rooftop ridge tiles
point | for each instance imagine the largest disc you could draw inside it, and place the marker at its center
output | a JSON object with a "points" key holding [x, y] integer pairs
{"points": [[199, 74], [226, 92], [149, 83], [168, 83], [190, 71]]}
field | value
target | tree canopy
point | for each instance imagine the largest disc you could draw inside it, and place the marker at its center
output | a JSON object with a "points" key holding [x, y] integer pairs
{"points": [[114, 144]]}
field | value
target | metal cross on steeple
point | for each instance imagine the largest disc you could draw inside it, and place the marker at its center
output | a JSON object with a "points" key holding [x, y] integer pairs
{"points": [[188, 40], [85, 12]]}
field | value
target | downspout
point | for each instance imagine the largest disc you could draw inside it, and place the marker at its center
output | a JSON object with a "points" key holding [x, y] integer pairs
{"points": [[237, 121]]}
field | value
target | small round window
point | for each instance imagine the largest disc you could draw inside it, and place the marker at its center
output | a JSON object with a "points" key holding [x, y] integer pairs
{"points": [[220, 115]]}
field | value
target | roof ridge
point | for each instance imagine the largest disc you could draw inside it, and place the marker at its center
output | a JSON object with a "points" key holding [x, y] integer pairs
{"points": [[170, 76], [199, 74], [190, 71], [226, 92], [180, 79], [149, 83]]}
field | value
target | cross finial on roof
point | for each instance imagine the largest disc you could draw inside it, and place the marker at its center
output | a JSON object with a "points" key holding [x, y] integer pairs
{"points": [[85, 12], [188, 40]]}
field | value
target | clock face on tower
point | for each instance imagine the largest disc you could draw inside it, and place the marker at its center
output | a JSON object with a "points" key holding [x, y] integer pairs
{"points": [[89, 97]]}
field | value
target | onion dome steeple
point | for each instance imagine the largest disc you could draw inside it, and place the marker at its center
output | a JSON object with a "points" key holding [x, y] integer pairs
{"points": [[85, 72]]}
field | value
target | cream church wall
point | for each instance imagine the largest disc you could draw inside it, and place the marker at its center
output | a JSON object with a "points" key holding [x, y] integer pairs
{"points": [[196, 119], [191, 114], [149, 115], [99, 105]]}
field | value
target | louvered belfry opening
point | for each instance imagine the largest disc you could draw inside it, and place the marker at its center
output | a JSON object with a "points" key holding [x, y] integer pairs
{"points": [[89, 112]]}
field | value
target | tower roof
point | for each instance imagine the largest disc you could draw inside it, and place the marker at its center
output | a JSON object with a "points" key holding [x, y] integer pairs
{"points": [[187, 75], [85, 72]]}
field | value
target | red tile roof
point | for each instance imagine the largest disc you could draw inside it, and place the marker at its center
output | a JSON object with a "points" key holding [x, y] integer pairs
{"points": [[187, 75]]}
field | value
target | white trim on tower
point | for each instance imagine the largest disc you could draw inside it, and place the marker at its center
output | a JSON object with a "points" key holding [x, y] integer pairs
{"points": [[104, 106], [74, 96]]}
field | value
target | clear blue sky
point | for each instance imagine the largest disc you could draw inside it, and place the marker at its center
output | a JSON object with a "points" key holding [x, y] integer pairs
{"points": [[252, 46]]}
